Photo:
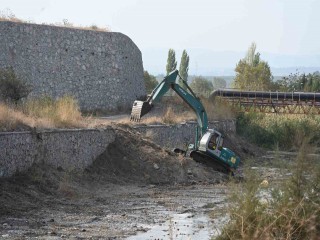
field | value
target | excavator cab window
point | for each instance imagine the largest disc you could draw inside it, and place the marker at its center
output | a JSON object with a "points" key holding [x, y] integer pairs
{"points": [[220, 144], [214, 141]]}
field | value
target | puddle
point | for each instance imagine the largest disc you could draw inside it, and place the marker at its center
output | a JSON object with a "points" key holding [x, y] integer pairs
{"points": [[183, 226]]}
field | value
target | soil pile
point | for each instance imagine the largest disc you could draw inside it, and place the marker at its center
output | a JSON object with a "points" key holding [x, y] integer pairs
{"points": [[132, 158], [242, 148]]}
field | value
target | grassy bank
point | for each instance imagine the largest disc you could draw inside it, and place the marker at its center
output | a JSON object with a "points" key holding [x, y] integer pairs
{"points": [[41, 113], [283, 131]]}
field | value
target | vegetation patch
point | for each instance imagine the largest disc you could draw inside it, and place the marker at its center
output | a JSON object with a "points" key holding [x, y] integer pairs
{"points": [[12, 88], [283, 131], [63, 112], [9, 16], [286, 210], [41, 113]]}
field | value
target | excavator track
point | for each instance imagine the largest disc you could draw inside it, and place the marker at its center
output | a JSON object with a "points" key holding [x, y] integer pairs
{"points": [[211, 162]]}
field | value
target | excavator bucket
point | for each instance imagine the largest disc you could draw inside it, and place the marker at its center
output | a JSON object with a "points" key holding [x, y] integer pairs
{"points": [[139, 109]]}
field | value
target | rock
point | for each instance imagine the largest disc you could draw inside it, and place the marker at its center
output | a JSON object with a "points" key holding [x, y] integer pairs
{"points": [[52, 233], [264, 183], [156, 166], [5, 224]]}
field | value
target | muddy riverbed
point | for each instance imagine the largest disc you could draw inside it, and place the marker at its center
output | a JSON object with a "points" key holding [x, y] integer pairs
{"points": [[134, 190], [120, 212]]}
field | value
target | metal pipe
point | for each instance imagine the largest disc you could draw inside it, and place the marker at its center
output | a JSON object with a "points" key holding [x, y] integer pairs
{"points": [[231, 93]]}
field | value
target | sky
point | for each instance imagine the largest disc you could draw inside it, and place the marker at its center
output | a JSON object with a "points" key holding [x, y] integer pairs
{"points": [[287, 28]]}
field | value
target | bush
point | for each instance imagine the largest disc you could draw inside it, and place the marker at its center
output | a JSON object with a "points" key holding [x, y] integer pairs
{"points": [[12, 88], [285, 131], [150, 81], [201, 86], [288, 210]]}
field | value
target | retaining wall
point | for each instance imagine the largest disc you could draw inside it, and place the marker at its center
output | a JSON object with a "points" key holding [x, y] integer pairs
{"points": [[77, 149], [69, 149], [180, 135], [102, 70]]}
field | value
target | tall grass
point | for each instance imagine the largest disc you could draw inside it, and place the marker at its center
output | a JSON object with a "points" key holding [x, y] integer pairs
{"points": [[285, 131], [9, 118], [287, 210], [63, 112], [41, 113], [218, 110]]}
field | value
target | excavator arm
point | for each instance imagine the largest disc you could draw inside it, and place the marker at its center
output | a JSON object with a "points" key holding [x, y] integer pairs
{"points": [[141, 108], [219, 158]]}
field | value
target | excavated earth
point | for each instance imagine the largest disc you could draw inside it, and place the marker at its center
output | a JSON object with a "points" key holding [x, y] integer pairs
{"points": [[134, 190]]}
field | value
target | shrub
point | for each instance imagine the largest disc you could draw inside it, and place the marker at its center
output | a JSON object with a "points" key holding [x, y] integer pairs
{"points": [[169, 116], [288, 210], [12, 88], [285, 131]]}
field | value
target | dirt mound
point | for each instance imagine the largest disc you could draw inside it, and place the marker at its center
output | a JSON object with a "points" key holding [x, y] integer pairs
{"points": [[131, 158], [31, 190], [242, 148]]}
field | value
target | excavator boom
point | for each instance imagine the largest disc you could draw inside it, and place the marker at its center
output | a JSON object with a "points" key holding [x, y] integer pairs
{"points": [[221, 158], [140, 108]]}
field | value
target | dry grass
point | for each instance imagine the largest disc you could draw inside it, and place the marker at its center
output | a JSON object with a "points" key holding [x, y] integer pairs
{"points": [[63, 112], [9, 16], [94, 27], [286, 210], [10, 119], [285, 131], [41, 113], [169, 116], [219, 110]]}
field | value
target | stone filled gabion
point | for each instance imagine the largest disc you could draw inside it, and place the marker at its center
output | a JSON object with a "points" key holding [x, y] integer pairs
{"points": [[102, 70]]}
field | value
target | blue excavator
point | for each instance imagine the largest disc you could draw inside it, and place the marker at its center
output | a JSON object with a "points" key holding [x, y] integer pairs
{"points": [[208, 145]]}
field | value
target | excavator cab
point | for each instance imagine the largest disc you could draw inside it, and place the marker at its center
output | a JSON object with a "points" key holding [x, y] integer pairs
{"points": [[211, 144]]}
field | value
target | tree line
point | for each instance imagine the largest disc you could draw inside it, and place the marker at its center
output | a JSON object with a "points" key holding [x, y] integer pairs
{"points": [[252, 73], [200, 85]]}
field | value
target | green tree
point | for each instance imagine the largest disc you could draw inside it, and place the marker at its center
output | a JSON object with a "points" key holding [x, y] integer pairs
{"points": [[184, 68], [219, 82], [201, 86], [171, 61], [150, 81], [252, 73], [299, 82]]}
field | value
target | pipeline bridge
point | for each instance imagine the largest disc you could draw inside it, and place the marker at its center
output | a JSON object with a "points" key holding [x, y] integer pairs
{"points": [[270, 102]]}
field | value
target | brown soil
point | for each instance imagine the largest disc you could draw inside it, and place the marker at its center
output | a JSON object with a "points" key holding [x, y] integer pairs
{"points": [[132, 158], [48, 202]]}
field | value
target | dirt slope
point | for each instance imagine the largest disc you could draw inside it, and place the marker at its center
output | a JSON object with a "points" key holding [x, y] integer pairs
{"points": [[113, 198], [129, 160], [132, 158]]}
